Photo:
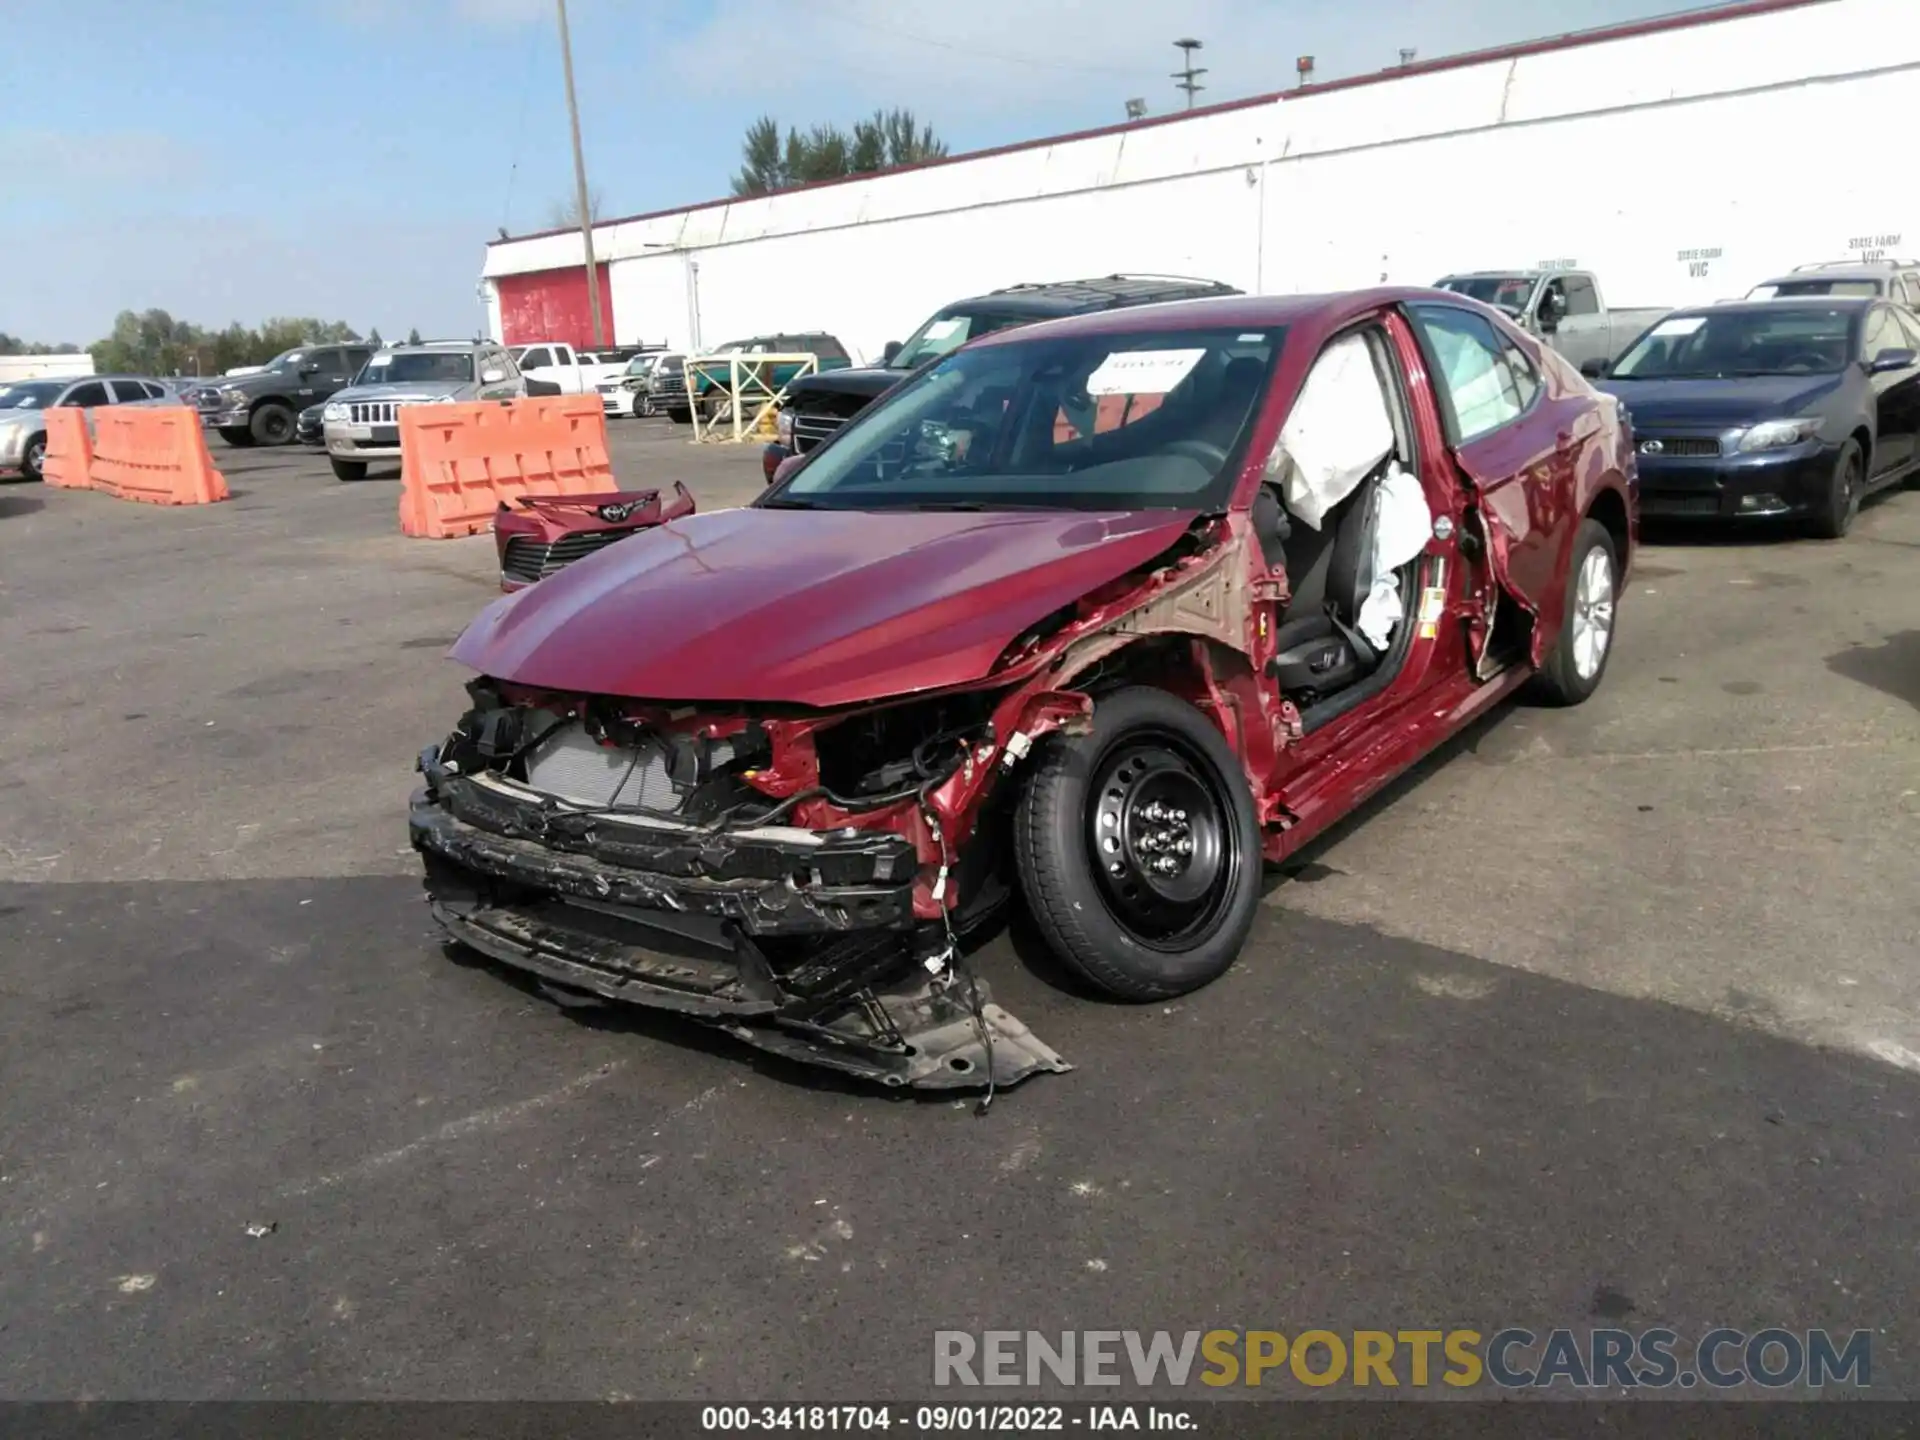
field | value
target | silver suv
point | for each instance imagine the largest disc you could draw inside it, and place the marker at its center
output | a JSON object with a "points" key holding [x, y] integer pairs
{"points": [[361, 423], [1895, 280]]}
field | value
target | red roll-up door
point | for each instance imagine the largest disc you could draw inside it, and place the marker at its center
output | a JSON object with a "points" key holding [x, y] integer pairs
{"points": [[552, 305]]}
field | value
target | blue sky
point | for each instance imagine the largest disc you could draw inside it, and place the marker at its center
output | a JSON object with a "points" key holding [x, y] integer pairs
{"points": [[349, 159]]}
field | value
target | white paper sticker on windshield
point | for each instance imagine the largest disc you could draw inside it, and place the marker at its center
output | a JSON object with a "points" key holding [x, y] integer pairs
{"points": [[941, 329], [1142, 372], [1686, 325]]}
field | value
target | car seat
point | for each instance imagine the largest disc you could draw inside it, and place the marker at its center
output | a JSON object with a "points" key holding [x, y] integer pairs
{"points": [[1329, 573]]}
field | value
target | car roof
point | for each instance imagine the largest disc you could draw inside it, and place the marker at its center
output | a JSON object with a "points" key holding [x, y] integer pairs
{"points": [[1050, 298], [1317, 314], [443, 345], [1854, 267], [1835, 272], [1785, 302]]}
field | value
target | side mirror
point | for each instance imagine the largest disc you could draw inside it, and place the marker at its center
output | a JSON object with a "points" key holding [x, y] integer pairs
{"points": [[786, 467], [891, 349], [1595, 369], [308, 371], [492, 377], [1892, 360]]}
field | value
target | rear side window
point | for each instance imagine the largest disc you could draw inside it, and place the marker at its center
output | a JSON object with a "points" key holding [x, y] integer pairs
{"points": [[1478, 387], [1881, 334], [126, 390], [1526, 379]]}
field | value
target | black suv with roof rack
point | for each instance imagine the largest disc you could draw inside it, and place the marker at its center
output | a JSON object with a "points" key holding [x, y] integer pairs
{"points": [[818, 405]]}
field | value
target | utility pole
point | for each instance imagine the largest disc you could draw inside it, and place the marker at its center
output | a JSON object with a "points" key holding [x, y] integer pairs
{"points": [[580, 182], [1186, 79]]}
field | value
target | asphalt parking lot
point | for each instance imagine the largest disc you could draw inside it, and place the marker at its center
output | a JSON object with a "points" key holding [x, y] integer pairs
{"points": [[1604, 1015]]}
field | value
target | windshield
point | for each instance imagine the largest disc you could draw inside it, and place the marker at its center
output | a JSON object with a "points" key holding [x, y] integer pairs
{"points": [[33, 395], [641, 364], [1784, 289], [949, 330], [1720, 343], [1139, 421], [441, 365], [1507, 292]]}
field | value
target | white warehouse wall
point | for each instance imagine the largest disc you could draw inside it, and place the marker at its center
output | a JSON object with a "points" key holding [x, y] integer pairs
{"points": [[1746, 140]]}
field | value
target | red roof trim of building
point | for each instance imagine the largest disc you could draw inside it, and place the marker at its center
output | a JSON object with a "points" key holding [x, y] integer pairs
{"points": [[1571, 40]]}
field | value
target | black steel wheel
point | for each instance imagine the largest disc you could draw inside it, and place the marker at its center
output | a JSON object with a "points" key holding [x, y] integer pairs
{"points": [[1139, 849], [271, 424], [1157, 828]]}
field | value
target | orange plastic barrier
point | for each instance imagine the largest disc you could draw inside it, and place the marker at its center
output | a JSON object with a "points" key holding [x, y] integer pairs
{"points": [[69, 457], [460, 463], [156, 454]]}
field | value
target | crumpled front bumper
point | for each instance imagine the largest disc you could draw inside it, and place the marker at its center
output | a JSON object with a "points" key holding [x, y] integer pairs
{"points": [[797, 942]]}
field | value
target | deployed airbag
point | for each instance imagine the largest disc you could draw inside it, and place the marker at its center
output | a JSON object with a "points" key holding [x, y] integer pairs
{"points": [[1402, 524], [1338, 432]]}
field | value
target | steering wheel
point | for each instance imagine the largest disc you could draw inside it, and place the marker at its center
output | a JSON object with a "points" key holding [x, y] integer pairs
{"points": [[1201, 450], [1804, 359]]}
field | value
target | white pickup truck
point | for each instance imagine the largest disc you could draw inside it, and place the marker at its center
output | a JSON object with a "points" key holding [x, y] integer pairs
{"points": [[553, 367], [1563, 307]]}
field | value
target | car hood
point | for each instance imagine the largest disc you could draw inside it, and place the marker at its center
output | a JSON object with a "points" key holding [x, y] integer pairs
{"points": [[806, 607], [409, 390], [867, 382], [1715, 403]]}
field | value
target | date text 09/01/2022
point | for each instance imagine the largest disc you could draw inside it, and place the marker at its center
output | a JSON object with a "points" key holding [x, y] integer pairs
{"points": [[1013, 1419]]}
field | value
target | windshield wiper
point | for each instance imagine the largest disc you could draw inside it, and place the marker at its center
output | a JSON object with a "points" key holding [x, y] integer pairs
{"points": [[780, 503]]}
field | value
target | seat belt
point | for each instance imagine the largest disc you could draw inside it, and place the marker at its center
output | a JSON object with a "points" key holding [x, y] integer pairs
{"points": [[1363, 651]]}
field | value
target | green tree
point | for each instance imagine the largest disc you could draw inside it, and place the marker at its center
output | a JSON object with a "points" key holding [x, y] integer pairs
{"points": [[373, 338], [413, 337], [889, 139], [14, 345], [152, 342], [565, 214]]}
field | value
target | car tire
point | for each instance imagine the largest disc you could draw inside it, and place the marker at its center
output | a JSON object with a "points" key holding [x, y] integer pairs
{"points": [[1587, 623], [33, 459], [1093, 820], [1841, 503], [271, 424], [237, 436], [347, 469]]}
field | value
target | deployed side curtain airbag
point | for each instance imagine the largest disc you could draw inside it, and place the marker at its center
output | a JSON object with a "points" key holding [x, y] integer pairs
{"points": [[1338, 432], [1402, 525]]}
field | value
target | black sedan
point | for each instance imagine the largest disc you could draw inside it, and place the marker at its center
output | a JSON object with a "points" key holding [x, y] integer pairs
{"points": [[1773, 408], [309, 429]]}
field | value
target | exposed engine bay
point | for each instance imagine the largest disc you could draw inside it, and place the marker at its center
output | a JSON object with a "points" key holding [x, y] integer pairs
{"points": [[762, 873]]}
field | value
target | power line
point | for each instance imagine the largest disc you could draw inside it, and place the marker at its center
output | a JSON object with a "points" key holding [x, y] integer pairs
{"points": [[822, 10], [520, 127]]}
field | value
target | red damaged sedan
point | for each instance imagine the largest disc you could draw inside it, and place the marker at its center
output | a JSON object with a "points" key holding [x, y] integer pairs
{"points": [[1102, 613]]}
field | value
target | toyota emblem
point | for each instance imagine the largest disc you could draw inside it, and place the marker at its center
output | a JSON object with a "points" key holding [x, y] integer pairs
{"points": [[1652, 447], [614, 514]]}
